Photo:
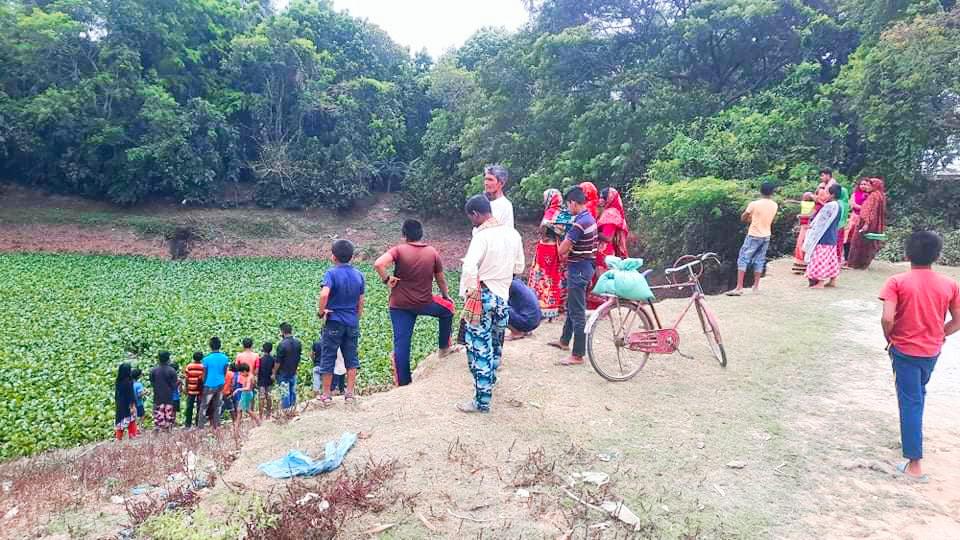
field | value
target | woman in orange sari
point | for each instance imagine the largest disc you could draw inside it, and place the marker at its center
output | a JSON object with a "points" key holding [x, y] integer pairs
{"points": [[593, 198], [873, 219], [546, 273]]}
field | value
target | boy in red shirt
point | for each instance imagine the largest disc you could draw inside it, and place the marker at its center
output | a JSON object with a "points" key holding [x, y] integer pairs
{"points": [[915, 306]]}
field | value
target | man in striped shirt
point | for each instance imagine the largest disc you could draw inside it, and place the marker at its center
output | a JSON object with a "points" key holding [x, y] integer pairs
{"points": [[580, 248]]}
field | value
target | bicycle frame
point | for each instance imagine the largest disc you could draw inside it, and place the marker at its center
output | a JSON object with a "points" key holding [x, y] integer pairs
{"points": [[697, 295]]}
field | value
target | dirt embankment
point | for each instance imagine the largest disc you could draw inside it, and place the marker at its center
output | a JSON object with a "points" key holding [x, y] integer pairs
{"points": [[30, 221], [797, 437]]}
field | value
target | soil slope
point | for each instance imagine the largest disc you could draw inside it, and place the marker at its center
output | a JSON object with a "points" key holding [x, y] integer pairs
{"points": [[797, 437]]}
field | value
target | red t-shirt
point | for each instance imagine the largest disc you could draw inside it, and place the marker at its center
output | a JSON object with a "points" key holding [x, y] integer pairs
{"points": [[415, 265], [923, 298]]}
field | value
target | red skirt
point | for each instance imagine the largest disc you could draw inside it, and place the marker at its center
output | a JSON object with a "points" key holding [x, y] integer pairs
{"points": [[547, 279]]}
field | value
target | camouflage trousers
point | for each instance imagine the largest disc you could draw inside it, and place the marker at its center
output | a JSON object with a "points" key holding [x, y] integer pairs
{"points": [[484, 343]]}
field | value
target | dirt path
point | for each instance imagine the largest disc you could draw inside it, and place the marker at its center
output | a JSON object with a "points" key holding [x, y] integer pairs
{"points": [[806, 406]]}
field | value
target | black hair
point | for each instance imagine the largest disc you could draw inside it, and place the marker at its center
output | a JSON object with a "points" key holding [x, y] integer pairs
{"points": [[342, 250], [267, 347], [766, 188], [826, 170], [247, 343], [923, 248], [197, 356], [136, 373], [124, 373], [604, 193], [835, 190], [285, 328], [242, 368], [412, 230], [576, 195], [214, 343], [233, 367], [478, 204], [163, 357]]}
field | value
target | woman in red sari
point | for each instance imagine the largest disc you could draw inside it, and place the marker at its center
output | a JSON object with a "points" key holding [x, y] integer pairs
{"points": [[546, 273], [806, 214], [873, 219], [593, 198], [612, 232]]}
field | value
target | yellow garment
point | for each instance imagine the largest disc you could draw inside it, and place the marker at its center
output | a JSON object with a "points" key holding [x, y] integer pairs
{"points": [[806, 207], [762, 212]]}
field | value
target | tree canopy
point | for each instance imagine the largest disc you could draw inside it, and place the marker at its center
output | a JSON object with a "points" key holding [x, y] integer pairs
{"points": [[128, 100]]}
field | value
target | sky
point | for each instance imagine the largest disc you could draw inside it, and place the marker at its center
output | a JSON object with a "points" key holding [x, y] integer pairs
{"points": [[436, 25]]}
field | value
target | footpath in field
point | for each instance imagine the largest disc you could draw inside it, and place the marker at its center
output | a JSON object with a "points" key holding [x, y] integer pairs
{"points": [[796, 438]]}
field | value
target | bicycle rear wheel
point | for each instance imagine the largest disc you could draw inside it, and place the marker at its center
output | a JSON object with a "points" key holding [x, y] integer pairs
{"points": [[712, 332], [607, 332]]}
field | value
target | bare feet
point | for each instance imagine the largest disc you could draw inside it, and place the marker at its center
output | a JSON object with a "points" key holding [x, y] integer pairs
{"points": [[515, 335], [832, 283], [912, 470]]}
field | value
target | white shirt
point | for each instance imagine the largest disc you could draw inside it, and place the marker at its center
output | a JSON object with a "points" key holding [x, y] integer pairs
{"points": [[494, 256], [502, 209]]}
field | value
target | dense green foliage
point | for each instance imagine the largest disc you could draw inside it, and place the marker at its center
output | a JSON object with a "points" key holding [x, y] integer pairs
{"points": [[129, 99], [718, 95], [132, 99], [66, 322]]}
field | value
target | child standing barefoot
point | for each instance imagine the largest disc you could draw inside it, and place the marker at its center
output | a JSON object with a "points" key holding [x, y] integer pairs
{"points": [[915, 306], [266, 372], [126, 402]]}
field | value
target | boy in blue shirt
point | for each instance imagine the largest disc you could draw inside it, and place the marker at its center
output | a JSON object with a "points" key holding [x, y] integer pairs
{"points": [[139, 391], [215, 371], [341, 304]]}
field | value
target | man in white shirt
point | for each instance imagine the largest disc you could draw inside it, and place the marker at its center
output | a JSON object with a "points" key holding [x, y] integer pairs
{"points": [[494, 181], [495, 255]]}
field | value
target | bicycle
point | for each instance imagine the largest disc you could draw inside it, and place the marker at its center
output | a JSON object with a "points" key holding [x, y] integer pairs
{"points": [[628, 325]]}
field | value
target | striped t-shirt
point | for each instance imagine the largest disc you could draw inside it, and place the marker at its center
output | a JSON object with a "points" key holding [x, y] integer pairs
{"points": [[583, 234]]}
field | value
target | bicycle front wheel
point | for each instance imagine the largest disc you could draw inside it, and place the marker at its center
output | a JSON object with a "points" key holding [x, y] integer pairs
{"points": [[712, 332], [607, 332]]}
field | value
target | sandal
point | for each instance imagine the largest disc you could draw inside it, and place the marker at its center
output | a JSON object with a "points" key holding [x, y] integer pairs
{"points": [[511, 337], [559, 345], [569, 361], [902, 470], [349, 398], [325, 400]]}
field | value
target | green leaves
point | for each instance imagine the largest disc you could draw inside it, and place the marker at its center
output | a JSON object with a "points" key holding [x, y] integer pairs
{"points": [[67, 321]]}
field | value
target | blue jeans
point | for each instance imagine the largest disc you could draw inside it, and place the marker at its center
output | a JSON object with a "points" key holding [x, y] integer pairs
{"points": [[337, 335], [579, 276], [403, 321], [912, 375], [753, 253], [288, 390], [485, 347]]}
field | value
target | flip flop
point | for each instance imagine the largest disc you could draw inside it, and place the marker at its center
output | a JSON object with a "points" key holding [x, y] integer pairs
{"points": [[511, 337], [734, 293], [568, 362], [558, 345], [902, 469]]}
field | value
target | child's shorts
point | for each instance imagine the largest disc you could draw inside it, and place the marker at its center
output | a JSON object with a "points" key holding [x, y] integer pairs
{"points": [[246, 400], [345, 338]]}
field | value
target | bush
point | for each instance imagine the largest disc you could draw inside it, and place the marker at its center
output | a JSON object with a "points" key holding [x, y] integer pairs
{"points": [[694, 216]]}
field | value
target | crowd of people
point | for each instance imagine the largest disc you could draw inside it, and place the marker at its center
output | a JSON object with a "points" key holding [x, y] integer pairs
{"points": [[579, 229]]}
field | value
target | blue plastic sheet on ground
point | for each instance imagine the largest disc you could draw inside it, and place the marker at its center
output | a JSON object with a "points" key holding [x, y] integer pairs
{"points": [[296, 463]]}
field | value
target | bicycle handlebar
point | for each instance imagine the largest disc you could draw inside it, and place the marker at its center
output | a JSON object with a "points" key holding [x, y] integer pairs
{"points": [[699, 260]]}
